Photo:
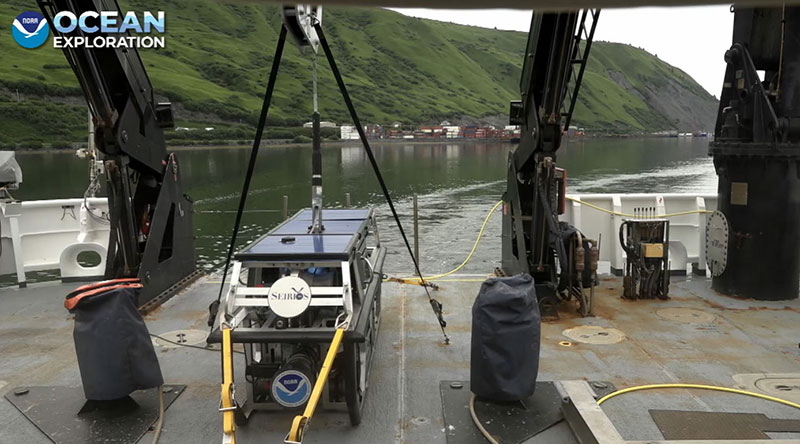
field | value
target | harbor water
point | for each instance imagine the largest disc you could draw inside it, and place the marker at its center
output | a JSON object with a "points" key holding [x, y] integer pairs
{"points": [[457, 184]]}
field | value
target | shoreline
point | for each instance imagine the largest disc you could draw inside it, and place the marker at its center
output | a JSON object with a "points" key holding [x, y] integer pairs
{"points": [[339, 143], [285, 144]]}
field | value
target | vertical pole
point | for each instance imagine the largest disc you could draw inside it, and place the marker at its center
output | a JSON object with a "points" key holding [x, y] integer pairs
{"points": [[416, 228], [316, 159], [285, 210], [347, 200], [92, 156]]}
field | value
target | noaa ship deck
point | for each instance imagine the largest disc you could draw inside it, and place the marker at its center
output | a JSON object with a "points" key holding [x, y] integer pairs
{"points": [[697, 336]]}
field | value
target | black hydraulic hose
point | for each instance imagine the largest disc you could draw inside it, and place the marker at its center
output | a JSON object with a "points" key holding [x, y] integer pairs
{"points": [[262, 120], [436, 305]]}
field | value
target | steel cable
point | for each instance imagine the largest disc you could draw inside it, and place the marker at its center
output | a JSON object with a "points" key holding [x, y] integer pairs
{"points": [[435, 305]]}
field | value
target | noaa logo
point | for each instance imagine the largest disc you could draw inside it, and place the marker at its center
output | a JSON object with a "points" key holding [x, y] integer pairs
{"points": [[30, 29], [289, 296], [291, 388]]}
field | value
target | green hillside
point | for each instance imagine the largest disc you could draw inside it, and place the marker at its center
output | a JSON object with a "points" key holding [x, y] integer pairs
{"points": [[397, 68]]}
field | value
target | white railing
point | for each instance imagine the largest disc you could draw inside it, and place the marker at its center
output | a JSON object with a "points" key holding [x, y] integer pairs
{"points": [[50, 234], [686, 232]]}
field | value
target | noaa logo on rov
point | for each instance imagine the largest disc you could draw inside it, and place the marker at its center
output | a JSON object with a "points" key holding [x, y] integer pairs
{"points": [[291, 388], [30, 29]]}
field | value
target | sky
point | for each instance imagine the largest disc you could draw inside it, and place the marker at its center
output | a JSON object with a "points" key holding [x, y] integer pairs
{"points": [[693, 39]]}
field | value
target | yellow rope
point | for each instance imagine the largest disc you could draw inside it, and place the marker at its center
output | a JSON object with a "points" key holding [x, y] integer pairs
{"points": [[474, 247], [698, 386], [616, 213]]}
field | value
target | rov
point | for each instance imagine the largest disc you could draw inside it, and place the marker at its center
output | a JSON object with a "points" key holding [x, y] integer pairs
{"points": [[67, 21]]}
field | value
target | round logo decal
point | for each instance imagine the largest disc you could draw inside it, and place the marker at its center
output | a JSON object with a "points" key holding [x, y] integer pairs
{"points": [[30, 29], [291, 388], [289, 296], [717, 243]]}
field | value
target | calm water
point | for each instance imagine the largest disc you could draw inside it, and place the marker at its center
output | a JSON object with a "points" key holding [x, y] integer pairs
{"points": [[457, 185]]}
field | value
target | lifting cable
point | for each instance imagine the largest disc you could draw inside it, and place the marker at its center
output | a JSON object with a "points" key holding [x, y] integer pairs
{"points": [[262, 120], [435, 305]]}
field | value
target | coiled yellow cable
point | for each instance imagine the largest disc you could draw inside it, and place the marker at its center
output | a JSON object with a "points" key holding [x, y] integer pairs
{"points": [[700, 387]]}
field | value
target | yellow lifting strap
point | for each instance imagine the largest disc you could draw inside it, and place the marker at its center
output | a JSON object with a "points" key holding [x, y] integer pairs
{"points": [[227, 396], [300, 422]]}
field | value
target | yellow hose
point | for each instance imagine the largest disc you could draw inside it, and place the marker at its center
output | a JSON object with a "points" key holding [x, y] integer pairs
{"points": [[478, 423], [415, 280], [616, 213], [701, 387]]}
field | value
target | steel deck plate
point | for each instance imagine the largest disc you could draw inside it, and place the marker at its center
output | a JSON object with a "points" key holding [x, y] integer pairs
{"points": [[509, 422], [694, 425], [54, 411], [403, 403]]}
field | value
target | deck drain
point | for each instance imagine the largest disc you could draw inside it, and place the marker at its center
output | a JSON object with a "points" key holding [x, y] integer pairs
{"points": [[779, 387], [181, 337], [420, 420], [592, 334], [685, 315]]}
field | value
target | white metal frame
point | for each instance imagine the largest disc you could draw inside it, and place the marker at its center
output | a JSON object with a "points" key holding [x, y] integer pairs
{"points": [[240, 298]]}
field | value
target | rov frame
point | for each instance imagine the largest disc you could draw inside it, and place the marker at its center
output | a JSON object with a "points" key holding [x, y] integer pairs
{"points": [[351, 256]]}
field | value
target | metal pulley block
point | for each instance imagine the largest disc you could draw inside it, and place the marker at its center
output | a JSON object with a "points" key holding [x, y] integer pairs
{"points": [[300, 20]]}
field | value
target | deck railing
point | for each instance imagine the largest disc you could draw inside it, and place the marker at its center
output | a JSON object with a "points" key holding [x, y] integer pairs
{"points": [[686, 230]]}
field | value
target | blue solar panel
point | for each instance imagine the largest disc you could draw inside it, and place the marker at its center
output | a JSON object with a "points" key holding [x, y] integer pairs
{"points": [[295, 226], [335, 214], [326, 246], [291, 242]]}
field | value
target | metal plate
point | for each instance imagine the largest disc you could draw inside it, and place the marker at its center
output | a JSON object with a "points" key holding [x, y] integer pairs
{"points": [[183, 337], [739, 193], [685, 315], [781, 385], [54, 411], [717, 243], [592, 334], [695, 425], [510, 422]]}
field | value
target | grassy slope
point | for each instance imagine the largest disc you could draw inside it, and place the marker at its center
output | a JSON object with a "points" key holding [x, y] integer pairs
{"points": [[396, 67]]}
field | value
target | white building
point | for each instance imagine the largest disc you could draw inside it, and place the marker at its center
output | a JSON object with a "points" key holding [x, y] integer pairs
{"points": [[322, 124], [348, 132], [453, 132]]}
